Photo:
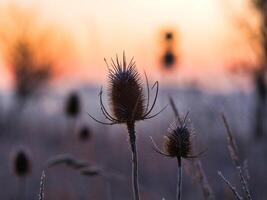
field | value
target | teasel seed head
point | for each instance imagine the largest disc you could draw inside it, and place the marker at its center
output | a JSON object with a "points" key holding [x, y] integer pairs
{"points": [[126, 95], [178, 141], [21, 163], [73, 105], [125, 92]]}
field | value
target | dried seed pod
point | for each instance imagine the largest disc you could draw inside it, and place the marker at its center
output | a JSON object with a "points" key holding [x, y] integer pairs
{"points": [[125, 92], [73, 105], [178, 141], [126, 96]]}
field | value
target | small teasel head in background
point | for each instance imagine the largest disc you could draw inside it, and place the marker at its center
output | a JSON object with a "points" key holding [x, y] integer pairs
{"points": [[85, 134], [21, 163], [178, 140], [178, 144], [72, 108]]}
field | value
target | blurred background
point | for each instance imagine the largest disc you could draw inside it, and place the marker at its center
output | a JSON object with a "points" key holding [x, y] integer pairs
{"points": [[209, 55]]}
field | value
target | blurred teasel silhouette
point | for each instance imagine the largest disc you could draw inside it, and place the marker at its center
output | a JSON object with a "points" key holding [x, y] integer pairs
{"points": [[85, 134], [21, 165], [178, 144], [169, 57], [25, 33], [128, 104], [72, 108], [72, 111]]}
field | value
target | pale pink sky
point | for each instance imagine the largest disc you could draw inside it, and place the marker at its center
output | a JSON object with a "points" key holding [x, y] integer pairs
{"points": [[103, 28]]}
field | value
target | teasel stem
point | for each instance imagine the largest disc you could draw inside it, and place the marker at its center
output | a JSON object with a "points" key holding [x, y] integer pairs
{"points": [[132, 137], [179, 178]]}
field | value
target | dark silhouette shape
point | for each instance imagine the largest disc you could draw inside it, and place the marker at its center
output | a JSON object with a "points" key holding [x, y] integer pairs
{"points": [[128, 105], [29, 74], [169, 36], [85, 134], [22, 165], [169, 57], [73, 105]]}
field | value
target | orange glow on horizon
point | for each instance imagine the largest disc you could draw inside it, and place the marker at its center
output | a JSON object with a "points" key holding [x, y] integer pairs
{"points": [[102, 29]]}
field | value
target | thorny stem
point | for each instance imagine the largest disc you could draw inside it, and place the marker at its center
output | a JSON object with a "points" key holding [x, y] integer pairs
{"points": [[132, 137], [179, 178]]}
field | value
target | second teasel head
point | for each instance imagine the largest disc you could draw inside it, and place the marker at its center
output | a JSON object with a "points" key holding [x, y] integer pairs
{"points": [[178, 141]]}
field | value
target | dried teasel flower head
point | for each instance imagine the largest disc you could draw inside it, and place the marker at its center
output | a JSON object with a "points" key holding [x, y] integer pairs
{"points": [[178, 140], [21, 163], [126, 92], [72, 108], [126, 95]]}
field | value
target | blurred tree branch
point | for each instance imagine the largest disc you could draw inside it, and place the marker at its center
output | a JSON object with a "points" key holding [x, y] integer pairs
{"points": [[33, 49], [256, 39]]}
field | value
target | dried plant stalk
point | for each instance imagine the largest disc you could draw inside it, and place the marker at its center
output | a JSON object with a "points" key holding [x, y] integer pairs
{"points": [[233, 150], [135, 184], [231, 187], [179, 182], [207, 191]]}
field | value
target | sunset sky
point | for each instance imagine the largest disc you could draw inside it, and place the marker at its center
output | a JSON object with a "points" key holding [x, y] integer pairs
{"points": [[102, 28]]}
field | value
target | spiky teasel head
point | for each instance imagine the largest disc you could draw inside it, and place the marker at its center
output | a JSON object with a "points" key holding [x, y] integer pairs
{"points": [[178, 141], [126, 94], [21, 163]]}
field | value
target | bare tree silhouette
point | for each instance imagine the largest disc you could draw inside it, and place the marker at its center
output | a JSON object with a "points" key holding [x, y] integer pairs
{"points": [[31, 49], [256, 38]]}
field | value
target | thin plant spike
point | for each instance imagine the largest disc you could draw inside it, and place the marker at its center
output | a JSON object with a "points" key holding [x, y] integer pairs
{"points": [[155, 99], [174, 108], [244, 183], [207, 191], [235, 157], [231, 187], [157, 149], [42, 183], [103, 107], [100, 121], [148, 93], [231, 142]]}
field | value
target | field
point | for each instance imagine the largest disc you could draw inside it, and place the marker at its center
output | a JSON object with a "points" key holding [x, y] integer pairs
{"points": [[44, 131]]}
